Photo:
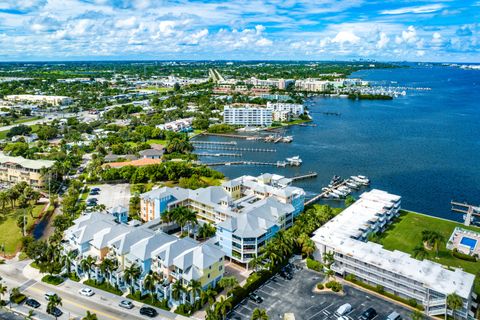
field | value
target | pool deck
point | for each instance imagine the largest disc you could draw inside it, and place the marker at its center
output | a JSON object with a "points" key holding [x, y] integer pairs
{"points": [[457, 237]]}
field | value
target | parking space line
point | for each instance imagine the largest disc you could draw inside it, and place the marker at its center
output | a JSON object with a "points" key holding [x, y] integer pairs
{"points": [[320, 311]]}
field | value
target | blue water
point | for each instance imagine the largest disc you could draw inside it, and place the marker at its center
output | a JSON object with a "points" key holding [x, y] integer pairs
{"points": [[469, 242], [424, 146]]}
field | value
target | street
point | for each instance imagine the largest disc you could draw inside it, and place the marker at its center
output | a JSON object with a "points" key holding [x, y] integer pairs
{"points": [[74, 305]]}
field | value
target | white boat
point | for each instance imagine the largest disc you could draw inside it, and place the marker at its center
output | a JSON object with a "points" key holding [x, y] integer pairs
{"points": [[294, 161], [339, 193], [352, 184], [361, 179], [333, 195], [325, 189], [345, 189]]}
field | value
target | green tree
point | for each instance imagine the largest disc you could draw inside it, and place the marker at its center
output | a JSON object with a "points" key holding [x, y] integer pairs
{"points": [[131, 274], [177, 290], [86, 264], [417, 315], [228, 283], [90, 316], [259, 314], [194, 288], [454, 303], [419, 252], [53, 302]]}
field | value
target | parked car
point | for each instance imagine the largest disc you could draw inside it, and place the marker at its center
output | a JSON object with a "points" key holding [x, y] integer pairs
{"points": [[95, 189], [368, 314], [126, 304], [32, 303], [92, 200], [55, 312], [148, 311], [93, 193], [344, 309], [394, 316], [255, 297], [86, 292], [49, 294]]}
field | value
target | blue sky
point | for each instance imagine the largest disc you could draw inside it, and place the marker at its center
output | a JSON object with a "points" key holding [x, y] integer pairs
{"points": [[259, 29]]}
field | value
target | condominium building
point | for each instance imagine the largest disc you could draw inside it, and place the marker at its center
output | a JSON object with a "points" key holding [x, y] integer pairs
{"points": [[103, 236], [247, 211], [34, 98], [277, 83], [18, 169], [311, 84], [247, 116], [285, 111], [427, 282]]}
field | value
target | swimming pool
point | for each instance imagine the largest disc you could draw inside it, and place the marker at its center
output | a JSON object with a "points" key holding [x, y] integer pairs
{"points": [[469, 242]]}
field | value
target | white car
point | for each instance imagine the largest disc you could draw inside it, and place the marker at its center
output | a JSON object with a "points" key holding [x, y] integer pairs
{"points": [[344, 309], [86, 292]]}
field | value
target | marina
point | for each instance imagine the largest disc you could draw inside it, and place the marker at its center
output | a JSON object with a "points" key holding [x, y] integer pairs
{"points": [[337, 188], [205, 154], [292, 162], [236, 149], [214, 143]]}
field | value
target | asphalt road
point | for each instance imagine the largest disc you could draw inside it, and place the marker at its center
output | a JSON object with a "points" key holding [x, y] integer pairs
{"points": [[74, 305]]}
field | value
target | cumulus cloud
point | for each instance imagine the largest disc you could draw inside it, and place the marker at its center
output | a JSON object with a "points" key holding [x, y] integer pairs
{"points": [[383, 40], [345, 36]]}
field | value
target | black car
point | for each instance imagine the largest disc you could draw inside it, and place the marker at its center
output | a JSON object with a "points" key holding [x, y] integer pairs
{"points": [[32, 303], [55, 312], [255, 297], [93, 193], [149, 312], [368, 314]]}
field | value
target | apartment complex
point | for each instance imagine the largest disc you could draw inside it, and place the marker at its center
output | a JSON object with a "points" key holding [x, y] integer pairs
{"points": [[247, 211], [180, 125], [277, 83], [285, 111], [427, 282], [247, 116], [42, 99], [18, 169], [103, 236]]}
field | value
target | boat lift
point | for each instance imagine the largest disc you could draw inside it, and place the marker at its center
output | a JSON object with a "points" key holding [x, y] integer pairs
{"points": [[468, 210]]}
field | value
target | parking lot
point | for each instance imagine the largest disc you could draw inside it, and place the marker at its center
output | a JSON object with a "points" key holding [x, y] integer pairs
{"points": [[281, 296], [112, 195]]}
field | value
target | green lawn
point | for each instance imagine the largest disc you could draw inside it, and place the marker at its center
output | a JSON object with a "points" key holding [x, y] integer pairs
{"points": [[159, 89], [406, 233], [3, 134], [10, 233], [157, 141]]}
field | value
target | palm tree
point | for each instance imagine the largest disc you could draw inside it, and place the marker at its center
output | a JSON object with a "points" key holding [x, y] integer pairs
{"points": [[194, 287], [256, 262], [149, 283], [209, 296], [90, 316], [4, 199], [87, 265], [177, 290], [259, 314], [107, 266], [53, 302], [454, 303], [433, 239], [228, 283], [419, 252], [3, 290], [329, 273], [328, 258], [30, 315], [308, 247], [222, 306], [67, 260], [131, 274], [212, 314]]}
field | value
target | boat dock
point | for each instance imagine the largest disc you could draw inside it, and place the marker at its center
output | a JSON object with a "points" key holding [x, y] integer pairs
{"points": [[215, 143], [230, 135], [252, 163], [324, 194], [206, 154], [235, 148], [304, 176], [468, 210]]}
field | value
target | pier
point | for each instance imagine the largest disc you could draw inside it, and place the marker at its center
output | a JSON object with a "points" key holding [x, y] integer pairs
{"points": [[230, 135], [235, 149], [468, 210], [324, 193], [252, 163], [223, 143], [206, 154], [304, 176]]}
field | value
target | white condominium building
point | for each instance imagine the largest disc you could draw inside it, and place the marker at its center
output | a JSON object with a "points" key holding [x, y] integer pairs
{"points": [[54, 100], [247, 116], [427, 282], [294, 109]]}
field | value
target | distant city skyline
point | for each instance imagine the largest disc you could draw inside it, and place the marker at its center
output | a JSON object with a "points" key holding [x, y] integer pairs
{"points": [[436, 31]]}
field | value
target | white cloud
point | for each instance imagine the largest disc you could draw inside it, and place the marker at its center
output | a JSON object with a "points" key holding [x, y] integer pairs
{"points": [[382, 41], [264, 42], [429, 8], [345, 36], [408, 36]]}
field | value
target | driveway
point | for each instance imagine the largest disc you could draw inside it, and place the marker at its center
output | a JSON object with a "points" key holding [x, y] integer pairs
{"points": [[295, 296]]}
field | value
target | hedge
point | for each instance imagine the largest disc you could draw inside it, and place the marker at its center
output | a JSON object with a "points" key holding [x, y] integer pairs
{"points": [[19, 298], [380, 290], [314, 265], [55, 280], [463, 256]]}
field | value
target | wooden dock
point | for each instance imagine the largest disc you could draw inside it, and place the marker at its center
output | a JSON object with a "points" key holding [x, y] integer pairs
{"points": [[304, 176], [215, 142], [253, 163], [234, 148], [467, 209], [323, 194], [235, 136], [206, 154]]}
